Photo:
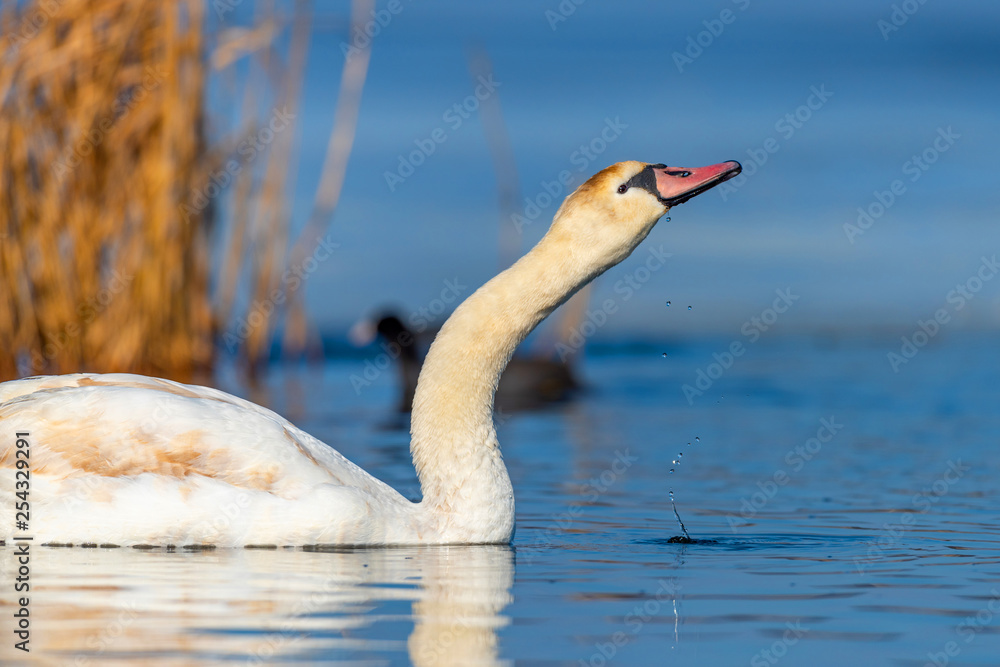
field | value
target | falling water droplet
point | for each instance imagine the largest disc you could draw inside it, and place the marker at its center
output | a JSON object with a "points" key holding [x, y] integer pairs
{"points": [[689, 307], [664, 355], [680, 454], [668, 304], [674, 461], [671, 470], [697, 439], [668, 218]]}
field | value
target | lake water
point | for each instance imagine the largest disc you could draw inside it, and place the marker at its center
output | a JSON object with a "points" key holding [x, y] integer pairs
{"points": [[843, 514]]}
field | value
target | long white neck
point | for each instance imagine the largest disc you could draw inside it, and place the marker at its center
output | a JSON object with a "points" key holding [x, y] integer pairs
{"points": [[453, 440]]}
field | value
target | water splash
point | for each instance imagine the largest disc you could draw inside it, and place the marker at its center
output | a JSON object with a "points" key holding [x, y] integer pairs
{"points": [[687, 538]]}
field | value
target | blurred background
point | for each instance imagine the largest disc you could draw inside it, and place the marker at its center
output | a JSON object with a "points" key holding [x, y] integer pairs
{"points": [[208, 189], [189, 181]]}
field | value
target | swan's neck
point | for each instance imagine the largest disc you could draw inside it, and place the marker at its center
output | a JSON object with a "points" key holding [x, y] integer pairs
{"points": [[454, 444]]}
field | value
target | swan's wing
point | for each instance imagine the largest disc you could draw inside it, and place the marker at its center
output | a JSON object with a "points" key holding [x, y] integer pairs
{"points": [[161, 454]]}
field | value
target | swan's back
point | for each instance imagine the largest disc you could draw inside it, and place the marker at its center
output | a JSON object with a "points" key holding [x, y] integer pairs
{"points": [[126, 459]]}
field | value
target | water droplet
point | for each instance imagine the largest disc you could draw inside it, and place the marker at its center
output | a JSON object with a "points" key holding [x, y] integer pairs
{"points": [[668, 218], [680, 454], [674, 461], [664, 355], [689, 307], [668, 304], [671, 470], [697, 439]]}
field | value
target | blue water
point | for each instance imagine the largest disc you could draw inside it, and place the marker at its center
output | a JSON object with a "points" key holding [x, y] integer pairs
{"points": [[842, 513]]}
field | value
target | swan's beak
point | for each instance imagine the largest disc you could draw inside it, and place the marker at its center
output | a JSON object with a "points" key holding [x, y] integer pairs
{"points": [[675, 185]]}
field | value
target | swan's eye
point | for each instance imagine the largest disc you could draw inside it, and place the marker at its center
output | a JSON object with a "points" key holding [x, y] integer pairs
{"points": [[622, 189]]}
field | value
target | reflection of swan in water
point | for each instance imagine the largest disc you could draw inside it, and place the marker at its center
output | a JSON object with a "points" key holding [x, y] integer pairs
{"points": [[121, 606], [458, 615]]}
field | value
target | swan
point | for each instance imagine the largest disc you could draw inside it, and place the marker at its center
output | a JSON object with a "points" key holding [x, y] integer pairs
{"points": [[527, 382], [128, 460]]}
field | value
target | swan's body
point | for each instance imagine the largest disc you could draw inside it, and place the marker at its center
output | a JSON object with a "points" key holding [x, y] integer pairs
{"points": [[127, 460]]}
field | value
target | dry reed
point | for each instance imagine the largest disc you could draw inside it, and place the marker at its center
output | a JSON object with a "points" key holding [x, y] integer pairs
{"points": [[101, 140], [110, 187]]}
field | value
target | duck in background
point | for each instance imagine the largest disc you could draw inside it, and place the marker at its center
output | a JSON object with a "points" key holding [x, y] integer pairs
{"points": [[529, 382]]}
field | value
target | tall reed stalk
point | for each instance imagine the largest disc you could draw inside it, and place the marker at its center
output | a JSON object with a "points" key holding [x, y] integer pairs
{"points": [[109, 186], [101, 140]]}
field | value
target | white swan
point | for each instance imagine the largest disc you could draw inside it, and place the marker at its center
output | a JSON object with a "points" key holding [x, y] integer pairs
{"points": [[130, 460]]}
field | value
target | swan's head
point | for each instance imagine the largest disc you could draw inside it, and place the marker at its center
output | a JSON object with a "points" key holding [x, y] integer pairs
{"points": [[610, 214]]}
